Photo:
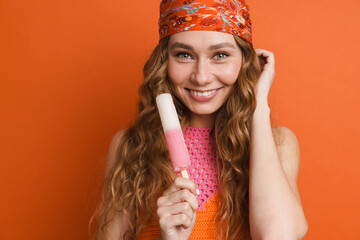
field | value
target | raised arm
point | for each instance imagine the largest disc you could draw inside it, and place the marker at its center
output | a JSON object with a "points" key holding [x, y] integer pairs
{"points": [[274, 201], [275, 207]]}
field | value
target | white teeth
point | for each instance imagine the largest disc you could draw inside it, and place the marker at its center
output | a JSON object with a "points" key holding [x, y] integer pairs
{"points": [[202, 94]]}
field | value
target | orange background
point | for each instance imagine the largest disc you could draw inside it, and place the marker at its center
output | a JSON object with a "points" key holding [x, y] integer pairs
{"points": [[69, 74]]}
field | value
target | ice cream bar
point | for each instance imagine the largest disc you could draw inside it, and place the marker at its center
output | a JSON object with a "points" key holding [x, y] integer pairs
{"points": [[173, 134]]}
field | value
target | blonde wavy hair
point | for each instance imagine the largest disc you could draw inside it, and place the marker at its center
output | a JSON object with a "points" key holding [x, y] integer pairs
{"points": [[142, 152]]}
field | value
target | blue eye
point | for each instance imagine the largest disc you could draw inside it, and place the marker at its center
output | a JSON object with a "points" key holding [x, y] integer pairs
{"points": [[221, 55], [183, 55]]}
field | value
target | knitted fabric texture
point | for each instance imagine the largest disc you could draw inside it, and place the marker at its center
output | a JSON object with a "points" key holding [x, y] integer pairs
{"points": [[204, 172]]}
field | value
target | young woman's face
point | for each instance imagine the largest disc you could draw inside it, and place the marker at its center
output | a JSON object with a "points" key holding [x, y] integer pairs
{"points": [[203, 67]]}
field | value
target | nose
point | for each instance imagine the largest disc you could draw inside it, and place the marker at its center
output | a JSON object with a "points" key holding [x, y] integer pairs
{"points": [[202, 72]]}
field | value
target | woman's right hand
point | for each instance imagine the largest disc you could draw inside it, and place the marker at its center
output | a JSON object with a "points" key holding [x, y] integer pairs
{"points": [[177, 209]]}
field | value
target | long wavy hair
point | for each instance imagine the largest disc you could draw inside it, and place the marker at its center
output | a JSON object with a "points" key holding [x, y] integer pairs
{"points": [[142, 153]]}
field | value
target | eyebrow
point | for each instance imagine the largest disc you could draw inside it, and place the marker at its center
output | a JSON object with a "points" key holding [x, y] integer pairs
{"points": [[212, 47]]}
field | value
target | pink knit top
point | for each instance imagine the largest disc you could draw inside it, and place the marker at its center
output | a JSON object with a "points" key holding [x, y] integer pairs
{"points": [[204, 172]]}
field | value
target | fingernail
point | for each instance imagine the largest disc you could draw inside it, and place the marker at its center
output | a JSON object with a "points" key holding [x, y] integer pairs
{"points": [[197, 192]]}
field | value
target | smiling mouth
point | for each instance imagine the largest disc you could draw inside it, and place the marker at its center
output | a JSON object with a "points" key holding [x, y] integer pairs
{"points": [[202, 93], [203, 96]]}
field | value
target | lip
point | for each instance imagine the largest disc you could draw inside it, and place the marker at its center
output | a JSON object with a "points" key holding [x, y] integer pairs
{"points": [[203, 98]]}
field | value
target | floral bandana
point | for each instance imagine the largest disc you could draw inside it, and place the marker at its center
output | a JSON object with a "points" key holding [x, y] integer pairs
{"points": [[229, 16]]}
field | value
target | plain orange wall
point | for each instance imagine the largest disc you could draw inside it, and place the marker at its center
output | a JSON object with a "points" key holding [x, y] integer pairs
{"points": [[69, 74]]}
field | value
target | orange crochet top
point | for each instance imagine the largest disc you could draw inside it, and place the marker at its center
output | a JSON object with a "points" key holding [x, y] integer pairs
{"points": [[204, 172]]}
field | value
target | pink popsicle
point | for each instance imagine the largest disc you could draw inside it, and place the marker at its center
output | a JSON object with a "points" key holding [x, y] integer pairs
{"points": [[173, 134], [177, 150]]}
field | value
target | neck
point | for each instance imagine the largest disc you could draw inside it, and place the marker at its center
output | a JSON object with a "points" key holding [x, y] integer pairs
{"points": [[202, 121]]}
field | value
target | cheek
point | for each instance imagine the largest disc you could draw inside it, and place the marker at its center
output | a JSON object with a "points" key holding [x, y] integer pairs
{"points": [[230, 74], [178, 73], [176, 79], [175, 74]]}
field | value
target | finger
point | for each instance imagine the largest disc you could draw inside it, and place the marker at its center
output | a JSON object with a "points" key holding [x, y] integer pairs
{"points": [[183, 183], [183, 195], [262, 61], [172, 221], [178, 208], [263, 51], [179, 196], [172, 188], [270, 57], [269, 64]]}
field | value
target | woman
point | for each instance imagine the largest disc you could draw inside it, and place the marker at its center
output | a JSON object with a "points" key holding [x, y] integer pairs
{"points": [[243, 177]]}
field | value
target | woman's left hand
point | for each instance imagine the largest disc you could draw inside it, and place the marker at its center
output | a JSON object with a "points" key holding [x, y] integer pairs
{"points": [[267, 63]]}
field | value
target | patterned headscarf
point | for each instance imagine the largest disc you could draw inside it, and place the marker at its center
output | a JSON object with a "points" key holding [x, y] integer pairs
{"points": [[229, 16]]}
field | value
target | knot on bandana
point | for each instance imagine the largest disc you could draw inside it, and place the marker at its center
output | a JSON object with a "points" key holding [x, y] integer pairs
{"points": [[228, 16]]}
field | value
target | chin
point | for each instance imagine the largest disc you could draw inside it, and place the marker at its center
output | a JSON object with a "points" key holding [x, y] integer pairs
{"points": [[204, 110]]}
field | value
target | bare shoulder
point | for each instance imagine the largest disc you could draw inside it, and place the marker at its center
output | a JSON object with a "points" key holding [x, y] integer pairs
{"points": [[111, 159], [118, 135], [289, 153], [286, 140]]}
